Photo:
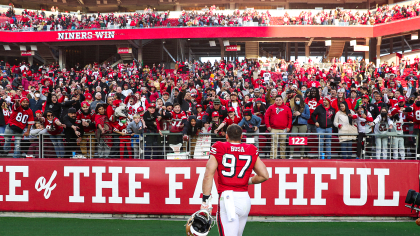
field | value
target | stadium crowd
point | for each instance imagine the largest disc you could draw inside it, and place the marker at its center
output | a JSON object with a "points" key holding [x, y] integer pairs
{"points": [[123, 105], [39, 20]]}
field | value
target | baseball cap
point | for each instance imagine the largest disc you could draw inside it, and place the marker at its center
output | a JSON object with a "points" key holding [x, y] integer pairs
{"points": [[401, 99], [366, 96], [152, 105], [257, 90], [215, 113], [216, 101], [247, 113], [72, 110], [231, 109]]}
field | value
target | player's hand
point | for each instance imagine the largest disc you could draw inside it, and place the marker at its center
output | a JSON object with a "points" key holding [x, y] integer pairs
{"points": [[206, 206], [317, 124]]}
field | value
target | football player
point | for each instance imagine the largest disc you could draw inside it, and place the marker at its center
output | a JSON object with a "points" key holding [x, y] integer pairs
{"points": [[234, 162]]}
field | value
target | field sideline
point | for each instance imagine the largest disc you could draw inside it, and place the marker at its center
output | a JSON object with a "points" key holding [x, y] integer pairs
{"points": [[62, 226]]}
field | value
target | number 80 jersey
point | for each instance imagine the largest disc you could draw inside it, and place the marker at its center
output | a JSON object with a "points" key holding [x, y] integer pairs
{"points": [[235, 164]]}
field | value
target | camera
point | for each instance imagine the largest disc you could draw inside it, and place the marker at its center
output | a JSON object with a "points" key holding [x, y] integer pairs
{"points": [[413, 198]]}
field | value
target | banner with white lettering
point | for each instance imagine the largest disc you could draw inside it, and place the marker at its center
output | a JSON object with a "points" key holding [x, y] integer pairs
{"points": [[295, 188]]}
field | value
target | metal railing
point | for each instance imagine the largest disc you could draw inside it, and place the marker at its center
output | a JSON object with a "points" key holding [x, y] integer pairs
{"points": [[174, 146]]}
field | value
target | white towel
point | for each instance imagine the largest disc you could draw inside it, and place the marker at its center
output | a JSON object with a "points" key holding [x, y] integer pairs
{"points": [[229, 204]]}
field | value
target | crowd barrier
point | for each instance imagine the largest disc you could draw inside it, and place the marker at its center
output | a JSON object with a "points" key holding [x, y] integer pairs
{"points": [[174, 146], [174, 187]]}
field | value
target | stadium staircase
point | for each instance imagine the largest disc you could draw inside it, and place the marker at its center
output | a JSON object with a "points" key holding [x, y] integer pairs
{"points": [[252, 50], [153, 52], [336, 49], [48, 54]]}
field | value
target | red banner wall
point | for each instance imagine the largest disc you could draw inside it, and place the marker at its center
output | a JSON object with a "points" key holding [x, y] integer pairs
{"points": [[296, 188]]}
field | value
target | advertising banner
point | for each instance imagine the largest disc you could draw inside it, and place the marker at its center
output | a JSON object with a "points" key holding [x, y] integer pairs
{"points": [[124, 50], [295, 187]]}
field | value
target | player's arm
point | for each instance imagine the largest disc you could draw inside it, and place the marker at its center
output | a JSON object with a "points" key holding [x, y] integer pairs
{"points": [[261, 173], [208, 177]]}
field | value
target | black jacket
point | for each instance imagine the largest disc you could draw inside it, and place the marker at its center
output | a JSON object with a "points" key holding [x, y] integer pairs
{"points": [[325, 117], [149, 120], [373, 109], [69, 131], [192, 130]]}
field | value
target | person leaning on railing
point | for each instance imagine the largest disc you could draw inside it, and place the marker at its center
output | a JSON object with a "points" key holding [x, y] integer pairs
{"points": [[301, 115], [190, 132], [251, 123], [343, 120], [135, 129], [278, 119], [323, 116]]}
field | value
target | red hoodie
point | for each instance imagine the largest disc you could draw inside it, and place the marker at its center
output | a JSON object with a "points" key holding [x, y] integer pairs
{"points": [[278, 117]]}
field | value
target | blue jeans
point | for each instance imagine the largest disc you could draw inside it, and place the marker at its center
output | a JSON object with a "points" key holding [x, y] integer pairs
{"points": [[2, 129], [325, 140], [346, 149], [18, 137], [58, 145]]}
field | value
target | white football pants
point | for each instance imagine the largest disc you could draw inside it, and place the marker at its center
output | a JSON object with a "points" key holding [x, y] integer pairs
{"points": [[398, 145], [236, 227]]}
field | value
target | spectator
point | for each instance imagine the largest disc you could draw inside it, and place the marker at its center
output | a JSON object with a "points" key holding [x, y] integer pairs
{"points": [[103, 126], [191, 131], [21, 118], [397, 130], [382, 124], [86, 119], [54, 128], [252, 124], [152, 151], [123, 139], [36, 103], [73, 133], [323, 117], [98, 100], [278, 119], [343, 120], [301, 115], [135, 129], [4, 115]]}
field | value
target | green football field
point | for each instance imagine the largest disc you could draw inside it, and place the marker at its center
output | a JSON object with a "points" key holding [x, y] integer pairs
{"points": [[63, 226]]}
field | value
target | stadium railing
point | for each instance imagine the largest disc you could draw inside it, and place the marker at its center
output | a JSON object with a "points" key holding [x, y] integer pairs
{"points": [[174, 146]]}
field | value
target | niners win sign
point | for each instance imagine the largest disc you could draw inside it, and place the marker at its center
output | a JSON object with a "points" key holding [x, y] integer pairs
{"points": [[327, 188], [86, 35]]}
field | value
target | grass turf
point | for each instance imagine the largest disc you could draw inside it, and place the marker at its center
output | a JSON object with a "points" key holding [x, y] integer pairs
{"points": [[59, 226]]}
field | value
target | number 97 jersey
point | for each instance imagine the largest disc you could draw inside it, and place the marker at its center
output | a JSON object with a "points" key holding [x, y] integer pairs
{"points": [[235, 164]]}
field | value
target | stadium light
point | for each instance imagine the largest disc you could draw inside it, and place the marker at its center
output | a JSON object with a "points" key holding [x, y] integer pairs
{"points": [[22, 47], [212, 43], [226, 43], [6, 47], [34, 48], [413, 198], [353, 43], [414, 36]]}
